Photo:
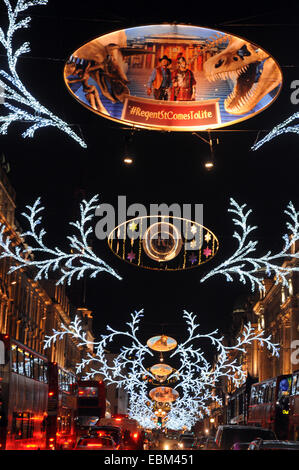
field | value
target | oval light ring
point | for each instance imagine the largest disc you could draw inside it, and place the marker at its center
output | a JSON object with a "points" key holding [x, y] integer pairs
{"points": [[161, 370], [163, 243], [162, 343], [117, 76], [163, 394]]}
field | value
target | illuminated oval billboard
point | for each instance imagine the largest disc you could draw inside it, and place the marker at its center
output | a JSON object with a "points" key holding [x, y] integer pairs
{"points": [[173, 77]]}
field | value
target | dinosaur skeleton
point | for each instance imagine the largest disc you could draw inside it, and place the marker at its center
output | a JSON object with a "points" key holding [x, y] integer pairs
{"points": [[107, 66], [253, 71]]}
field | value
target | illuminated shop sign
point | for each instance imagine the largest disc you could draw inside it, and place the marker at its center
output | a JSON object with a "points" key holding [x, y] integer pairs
{"points": [[173, 77]]}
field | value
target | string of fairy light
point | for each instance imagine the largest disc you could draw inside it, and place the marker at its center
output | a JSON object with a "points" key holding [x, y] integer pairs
{"points": [[27, 109]]}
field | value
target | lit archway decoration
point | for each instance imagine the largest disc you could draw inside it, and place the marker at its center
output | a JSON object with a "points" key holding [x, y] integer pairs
{"points": [[197, 377], [162, 242]]}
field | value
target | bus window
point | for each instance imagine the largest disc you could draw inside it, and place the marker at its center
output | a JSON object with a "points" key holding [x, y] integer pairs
{"points": [[27, 364], [253, 395], [261, 394], [14, 358], [273, 391], [36, 368], [21, 369], [284, 387], [22, 426], [294, 384], [43, 371]]}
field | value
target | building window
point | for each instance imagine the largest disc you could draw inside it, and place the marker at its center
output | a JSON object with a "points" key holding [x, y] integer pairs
{"points": [[291, 290], [283, 295]]}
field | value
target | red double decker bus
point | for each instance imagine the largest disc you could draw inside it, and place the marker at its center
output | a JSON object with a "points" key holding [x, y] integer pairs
{"points": [[23, 396], [269, 404], [91, 404], [294, 409], [62, 408]]}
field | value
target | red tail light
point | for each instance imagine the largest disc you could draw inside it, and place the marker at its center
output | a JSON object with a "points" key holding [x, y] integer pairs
{"points": [[135, 435], [50, 394]]}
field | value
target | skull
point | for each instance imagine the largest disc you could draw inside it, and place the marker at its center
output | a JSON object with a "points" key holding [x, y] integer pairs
{"points": [[242, 62]]}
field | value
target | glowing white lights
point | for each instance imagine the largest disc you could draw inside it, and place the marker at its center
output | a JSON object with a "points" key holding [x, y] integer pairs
{"points": [[252, 268], [27, 109], [81, 258], [280, 129], [76, 263], [197, 377]]}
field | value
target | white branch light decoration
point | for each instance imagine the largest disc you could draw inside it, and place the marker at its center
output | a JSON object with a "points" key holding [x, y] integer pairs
{"points": [[197, 378], [245, 265], [280, 129], [76, 263], [28, 109]]}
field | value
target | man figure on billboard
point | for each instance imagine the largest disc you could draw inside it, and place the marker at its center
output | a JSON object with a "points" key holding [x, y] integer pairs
{"points": [[160, 80], [183, 82]]}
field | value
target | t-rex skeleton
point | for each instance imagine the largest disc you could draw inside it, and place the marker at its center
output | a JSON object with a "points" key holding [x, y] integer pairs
{"points": [[240, 61]]}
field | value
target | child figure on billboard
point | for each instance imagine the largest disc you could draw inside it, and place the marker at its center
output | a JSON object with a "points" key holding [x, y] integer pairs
{"points": [[183, 82]]}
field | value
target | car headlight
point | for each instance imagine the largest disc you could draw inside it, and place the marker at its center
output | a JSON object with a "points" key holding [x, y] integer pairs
{"points": [[181, 445], [166, 447]]}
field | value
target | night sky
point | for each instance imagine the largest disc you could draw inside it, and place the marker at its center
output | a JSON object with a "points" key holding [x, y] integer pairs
{"points": [[168, 166]]}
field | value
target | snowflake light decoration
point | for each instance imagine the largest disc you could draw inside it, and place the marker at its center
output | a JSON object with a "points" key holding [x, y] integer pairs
{"points": [[197, 377], [250, 268], [76, 263], [27, 109], [282, 128]]}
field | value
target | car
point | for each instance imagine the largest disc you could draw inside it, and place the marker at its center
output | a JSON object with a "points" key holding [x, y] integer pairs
{"points": [[186, 441], [261, 444], [229, 434], [240, 446], [208, 444], [169, 442], [113, 431], [96, 443]]}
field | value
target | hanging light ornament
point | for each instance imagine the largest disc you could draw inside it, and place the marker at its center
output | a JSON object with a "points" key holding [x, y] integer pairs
{"points": [[164, 394], [163, 242], [27, 109], [162, 343]]}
